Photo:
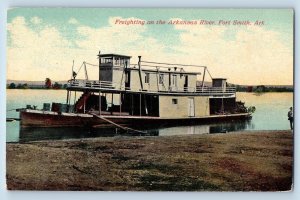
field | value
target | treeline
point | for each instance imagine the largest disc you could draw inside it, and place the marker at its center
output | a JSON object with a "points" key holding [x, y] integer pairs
{"points": [[262, 88], [56, 85]]}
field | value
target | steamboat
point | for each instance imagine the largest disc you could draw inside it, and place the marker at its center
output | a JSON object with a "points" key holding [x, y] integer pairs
{"points": [[146, 94]]}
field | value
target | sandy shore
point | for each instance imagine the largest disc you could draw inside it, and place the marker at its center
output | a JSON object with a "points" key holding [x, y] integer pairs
{"points": [[240, 161]]}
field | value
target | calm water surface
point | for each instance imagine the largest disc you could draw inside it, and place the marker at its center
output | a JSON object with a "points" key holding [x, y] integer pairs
{"points": [[271, 114]]}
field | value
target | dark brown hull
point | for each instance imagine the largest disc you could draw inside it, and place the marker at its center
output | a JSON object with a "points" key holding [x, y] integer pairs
{"points": [[33, 119]]}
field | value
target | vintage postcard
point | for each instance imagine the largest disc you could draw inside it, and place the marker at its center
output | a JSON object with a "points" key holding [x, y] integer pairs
{"points": [[136, 99]]}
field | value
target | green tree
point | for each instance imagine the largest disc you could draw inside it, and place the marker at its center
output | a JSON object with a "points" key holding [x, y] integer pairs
{"points": [[19, 86], [12, 86], [260, 89], [25, 86], [57, 85], [48, 83]]}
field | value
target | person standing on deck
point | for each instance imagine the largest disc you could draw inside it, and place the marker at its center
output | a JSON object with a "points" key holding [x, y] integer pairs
{"points": [[291, 117]]}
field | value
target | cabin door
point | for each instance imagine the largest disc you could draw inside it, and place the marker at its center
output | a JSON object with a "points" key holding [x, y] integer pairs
{"points": [[186, 81], [127, 79], [191, 107]]}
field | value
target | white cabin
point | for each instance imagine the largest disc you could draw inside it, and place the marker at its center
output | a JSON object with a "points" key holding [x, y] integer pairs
{"points": [[151, 89]]}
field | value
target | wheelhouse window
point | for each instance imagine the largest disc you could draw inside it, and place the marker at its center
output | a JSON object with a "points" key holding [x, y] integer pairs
{"points": [[161, 79], [106, 60], [117, 61], [147, 78], [122, 61]]}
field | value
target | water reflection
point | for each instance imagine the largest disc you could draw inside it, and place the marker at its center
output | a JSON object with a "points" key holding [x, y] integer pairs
{"points": [[205, 128], [34, 134]]}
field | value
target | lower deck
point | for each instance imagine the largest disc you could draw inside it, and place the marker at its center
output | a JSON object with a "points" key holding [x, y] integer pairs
{"points": [[149, 105]]}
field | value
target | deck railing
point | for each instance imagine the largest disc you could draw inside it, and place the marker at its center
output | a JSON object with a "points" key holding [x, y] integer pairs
{"points": [[92, 84], [173, 89], [200, 89]]}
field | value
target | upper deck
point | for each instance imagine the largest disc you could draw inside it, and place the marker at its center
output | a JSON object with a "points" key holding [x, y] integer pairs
{"points": [[117, 75], [105, 86]]}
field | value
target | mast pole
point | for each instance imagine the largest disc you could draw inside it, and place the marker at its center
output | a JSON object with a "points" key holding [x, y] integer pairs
{"points": [[99, 63], [120, 102], [157, 78], [140, 104], [86, 75], [140, 72], [112, 102], [99, 103], [67, 96], [69, 92], [72, 73], [203, 78]]}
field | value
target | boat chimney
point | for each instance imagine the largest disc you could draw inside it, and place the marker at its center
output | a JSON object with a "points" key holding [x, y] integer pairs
{"points": [[99, 57], [99, 64]]}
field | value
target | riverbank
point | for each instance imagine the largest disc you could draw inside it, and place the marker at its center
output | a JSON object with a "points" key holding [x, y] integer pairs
{"points": [[240, 161]]}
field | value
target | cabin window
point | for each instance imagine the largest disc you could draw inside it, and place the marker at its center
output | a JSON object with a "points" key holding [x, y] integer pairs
{"points": [[147, 77], [117, 61], [161, 79], [174, 101]]}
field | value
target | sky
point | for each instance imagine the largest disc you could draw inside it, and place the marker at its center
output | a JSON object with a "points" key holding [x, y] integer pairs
{"points": [[43, 42]]}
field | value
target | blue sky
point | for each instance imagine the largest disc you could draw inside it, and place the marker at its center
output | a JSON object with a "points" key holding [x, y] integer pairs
{"points": [[44, 40]]}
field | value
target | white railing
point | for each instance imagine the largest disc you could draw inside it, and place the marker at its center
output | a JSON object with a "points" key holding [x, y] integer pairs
{"points": [[172, 89], [209, 90], [92, 84]]}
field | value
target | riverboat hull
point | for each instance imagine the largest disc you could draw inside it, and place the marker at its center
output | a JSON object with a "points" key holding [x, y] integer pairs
{"points": [[36, 118]]}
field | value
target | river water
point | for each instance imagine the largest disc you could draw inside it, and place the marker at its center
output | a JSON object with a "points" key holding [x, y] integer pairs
{"points": [[271, 114]]}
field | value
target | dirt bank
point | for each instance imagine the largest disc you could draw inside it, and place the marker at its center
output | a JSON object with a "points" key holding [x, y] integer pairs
{"points": [[242, 161]]}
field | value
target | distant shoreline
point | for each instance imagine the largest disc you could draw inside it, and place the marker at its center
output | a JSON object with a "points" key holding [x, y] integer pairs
{"points": [[22, 84], [279, 90], [35, 88], [13, 84]]}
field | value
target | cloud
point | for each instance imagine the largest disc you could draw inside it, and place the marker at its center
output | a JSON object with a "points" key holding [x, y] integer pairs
{"points": [[36, 20], [40, 52], [34, 55], [73, 21], [113, 37], [122, 39], [254, 55]]}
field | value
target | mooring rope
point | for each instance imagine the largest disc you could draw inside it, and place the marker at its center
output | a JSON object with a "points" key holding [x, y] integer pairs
{"points": [[117, 125], [92, 64], [13, 109]]}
